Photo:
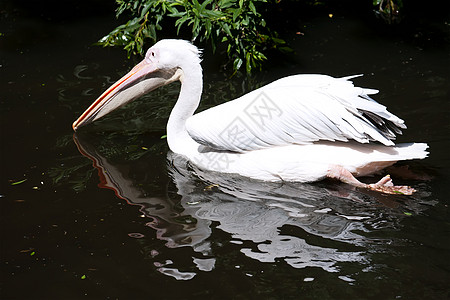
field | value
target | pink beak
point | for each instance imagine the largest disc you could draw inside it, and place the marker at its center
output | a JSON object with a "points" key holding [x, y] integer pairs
{"points": [[143, 78]]}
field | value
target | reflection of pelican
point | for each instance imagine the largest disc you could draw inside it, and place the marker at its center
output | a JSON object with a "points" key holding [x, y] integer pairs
{"points": [[277, 218], [290, 130]]}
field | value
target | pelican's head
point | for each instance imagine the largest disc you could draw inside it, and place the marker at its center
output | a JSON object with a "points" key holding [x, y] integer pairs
{"points": [[163, 63]]}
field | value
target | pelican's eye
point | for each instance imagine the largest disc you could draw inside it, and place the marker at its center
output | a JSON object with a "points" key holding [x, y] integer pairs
{"points": [[150, 56]]}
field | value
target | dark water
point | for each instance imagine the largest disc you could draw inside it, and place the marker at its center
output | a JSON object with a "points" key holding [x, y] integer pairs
{"points": [[111, 214]]}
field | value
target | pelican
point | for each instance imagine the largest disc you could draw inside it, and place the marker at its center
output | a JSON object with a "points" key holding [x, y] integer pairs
{"points": [[301, 128]]}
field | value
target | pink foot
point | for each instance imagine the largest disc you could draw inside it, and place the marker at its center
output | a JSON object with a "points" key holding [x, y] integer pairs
{"points": [[385, 185]]}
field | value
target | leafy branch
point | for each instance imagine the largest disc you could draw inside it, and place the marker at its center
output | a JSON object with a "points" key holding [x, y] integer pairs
{"points": [[236, 24]]}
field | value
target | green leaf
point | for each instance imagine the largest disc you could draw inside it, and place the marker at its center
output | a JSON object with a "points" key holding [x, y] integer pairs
{"points": [[225, 4], [177, 14], [202, 8], [208, 27], [213, 45], [180, 22], [248, 65], [83, 277], [19, 182], [145, 9], [252, 7], [226, 28], [261, 56], [262, 22], [173, 11], [133, 24], [237, 63], [278, 41], [246, 21], [214, 14], [286, 49], [236, 13]]}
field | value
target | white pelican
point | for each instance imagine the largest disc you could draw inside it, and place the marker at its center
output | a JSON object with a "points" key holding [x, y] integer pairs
{"points": [[299, 128]]}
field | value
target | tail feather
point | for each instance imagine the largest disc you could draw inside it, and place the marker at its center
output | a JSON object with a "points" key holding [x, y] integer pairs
{"points": [[411, 151]]}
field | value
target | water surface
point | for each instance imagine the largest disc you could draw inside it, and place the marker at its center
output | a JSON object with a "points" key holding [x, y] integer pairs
{"points": [[111, 213]]}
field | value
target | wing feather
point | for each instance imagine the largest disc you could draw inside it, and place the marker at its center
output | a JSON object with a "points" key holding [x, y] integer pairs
{"points": [[298, 109]]}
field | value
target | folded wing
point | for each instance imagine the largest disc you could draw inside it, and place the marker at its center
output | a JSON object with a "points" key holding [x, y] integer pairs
{"points": [[298, 109]]}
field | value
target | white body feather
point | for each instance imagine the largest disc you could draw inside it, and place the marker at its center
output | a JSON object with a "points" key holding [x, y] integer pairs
{"points": [[295, 129], [308, 163]]}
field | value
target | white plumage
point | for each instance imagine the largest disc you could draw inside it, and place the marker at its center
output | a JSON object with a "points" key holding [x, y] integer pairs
{"points": [[297, 109], [299, 128]]}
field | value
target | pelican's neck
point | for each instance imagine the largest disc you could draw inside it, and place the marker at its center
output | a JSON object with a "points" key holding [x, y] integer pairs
{"points": [[191, 90]]}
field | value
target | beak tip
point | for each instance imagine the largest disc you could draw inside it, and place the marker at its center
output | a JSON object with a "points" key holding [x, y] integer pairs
{"points": [[75, 126]]}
